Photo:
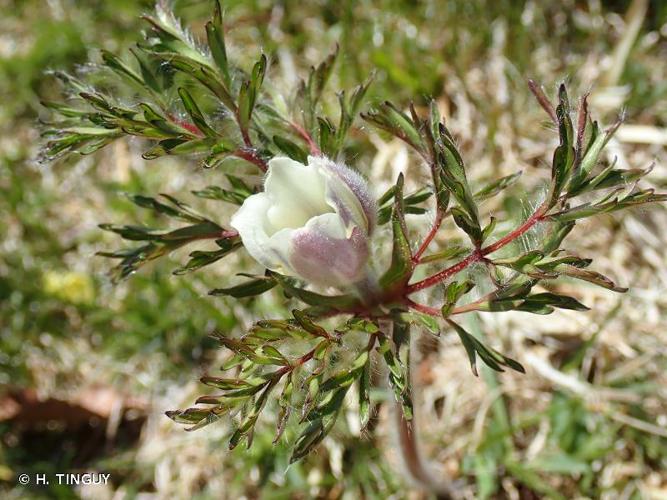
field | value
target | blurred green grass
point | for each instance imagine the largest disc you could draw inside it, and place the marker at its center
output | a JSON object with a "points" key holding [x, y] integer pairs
{"points": [[62, 324]]}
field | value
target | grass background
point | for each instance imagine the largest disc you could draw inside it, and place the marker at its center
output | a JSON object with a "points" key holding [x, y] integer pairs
{"points": [[87, 368]]}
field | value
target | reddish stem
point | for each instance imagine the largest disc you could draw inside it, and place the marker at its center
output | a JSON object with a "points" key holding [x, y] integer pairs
{"points": [[190, 127], [479, 254], [423, 308], [429, 237], [434, 311], [250, 155], [544, 101], [312, 145]]}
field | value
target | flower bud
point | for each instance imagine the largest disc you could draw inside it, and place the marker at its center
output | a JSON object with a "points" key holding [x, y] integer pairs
{"points": [[311, 221]]}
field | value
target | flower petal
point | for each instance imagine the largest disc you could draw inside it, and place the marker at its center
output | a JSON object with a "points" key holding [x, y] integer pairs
{"points": [[297, 193], [254, 228], [323, 255], [347, 191]]}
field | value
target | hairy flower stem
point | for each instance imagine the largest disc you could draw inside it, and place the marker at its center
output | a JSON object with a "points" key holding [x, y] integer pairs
{"points": [[312, 145], [408, 441], [250, 155], [480, 253], [439, 216]]}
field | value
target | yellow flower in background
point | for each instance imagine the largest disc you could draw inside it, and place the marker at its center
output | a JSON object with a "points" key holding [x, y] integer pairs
{"points": [[69, 286]]}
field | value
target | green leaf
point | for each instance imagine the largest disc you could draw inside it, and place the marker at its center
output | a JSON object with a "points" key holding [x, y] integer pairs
{"points": [[314, 433], [398, 375], [349, 107], [195, 113], [449, 169], [147, 74], [564, 155], [496, 186], [247, 425], [199, 258], [539, 303], [397, 123], [339, 302], [471, 227], [285, 403], [250, 288], [226, 384], [454, 291], [309, 325], [249, 91], [492, 358], [237, 195], [409, 202], [310, 91], [291, 149], [590, 276], [114, 62], [216, 41], [449, 253], [364, 385], [634, 198], [204, 75], [401, 267]]}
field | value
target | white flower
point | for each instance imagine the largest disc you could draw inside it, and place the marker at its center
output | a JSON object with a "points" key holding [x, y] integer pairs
{"points": [[311, 221]]}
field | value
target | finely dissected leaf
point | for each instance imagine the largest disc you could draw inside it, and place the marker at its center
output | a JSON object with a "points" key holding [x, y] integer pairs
{"points": [[247, 425], [291, 149], [237, 195], [605, 206], [564, 156], [449, 170], [201, 258], [401, 266], [492, 358], [195, 113], [349, 107], [340, 302], [249, 92], [176, 209], [497, 186], [310, 91], [429, 322], [488, 230], [313, 435], [114, 62], [360, 325], [250, 288], [536, 265], [539, 303], [154, 80], [394, 121], [611, 178], [590, 276], [253, 353], [325, 400], [470, 226], [398, 375], [364, 385], [216, 42], [309, 325], [449, 253], [226, 384], [285, 403], [454, 291], [272, 329], [409, 204]]}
